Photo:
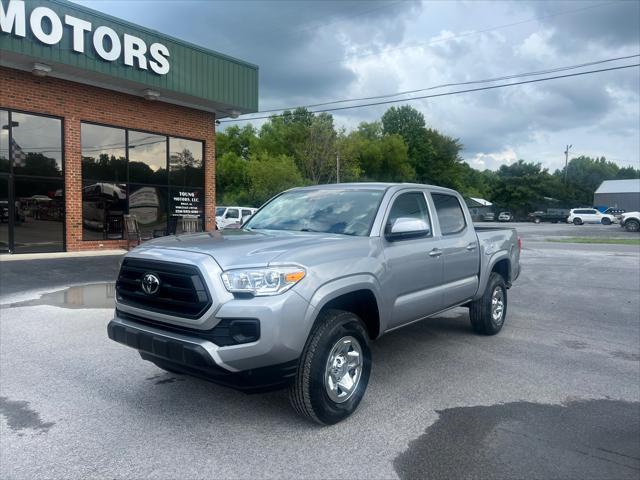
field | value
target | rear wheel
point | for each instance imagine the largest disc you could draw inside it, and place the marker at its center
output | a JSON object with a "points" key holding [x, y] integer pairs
{"points": [[334, 369], [632, 225], [536, 220], [487, 314], [577, 221], [606, 221]]}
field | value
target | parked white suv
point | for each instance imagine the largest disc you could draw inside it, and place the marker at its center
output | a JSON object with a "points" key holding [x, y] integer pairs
{"points": [[630, 221], [578, 216], [226, 216]]}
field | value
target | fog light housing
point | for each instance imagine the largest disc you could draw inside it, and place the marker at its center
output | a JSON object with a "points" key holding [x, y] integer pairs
{"points": [[245, 330]]}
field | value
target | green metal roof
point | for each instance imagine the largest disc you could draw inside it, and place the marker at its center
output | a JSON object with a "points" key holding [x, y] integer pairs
{"points": [[197, 76]]}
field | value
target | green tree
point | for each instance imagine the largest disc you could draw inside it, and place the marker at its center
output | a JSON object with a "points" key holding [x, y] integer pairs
{"points": [[269, 175]]}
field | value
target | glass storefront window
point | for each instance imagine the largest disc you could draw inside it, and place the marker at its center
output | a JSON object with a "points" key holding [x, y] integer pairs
{"points": [[103, 207], [4, 214], [147, 158], [104, 155], [36, 145], [149, 205], [136, 179], [4, 141], [185, 162], [39, 215]]}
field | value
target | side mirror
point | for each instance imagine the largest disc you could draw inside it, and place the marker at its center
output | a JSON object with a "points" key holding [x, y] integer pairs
{"points": [[403, 228]]}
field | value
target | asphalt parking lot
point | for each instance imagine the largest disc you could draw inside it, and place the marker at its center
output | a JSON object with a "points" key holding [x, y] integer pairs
{"points": [[555, 395]]}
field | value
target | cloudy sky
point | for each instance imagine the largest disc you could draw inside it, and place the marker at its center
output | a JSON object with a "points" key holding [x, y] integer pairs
{"points": [[317, 51]]}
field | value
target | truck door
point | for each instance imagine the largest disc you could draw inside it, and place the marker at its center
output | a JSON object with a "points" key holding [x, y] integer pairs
{"points": [[413, 260], [460, 250]]}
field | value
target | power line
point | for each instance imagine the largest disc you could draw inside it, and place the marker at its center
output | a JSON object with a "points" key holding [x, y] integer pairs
{"points": [[467, 34], [422, 97], [471, 82]]}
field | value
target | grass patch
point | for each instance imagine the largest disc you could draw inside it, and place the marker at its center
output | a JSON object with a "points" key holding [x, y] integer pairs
{"points": [[613, 241]]}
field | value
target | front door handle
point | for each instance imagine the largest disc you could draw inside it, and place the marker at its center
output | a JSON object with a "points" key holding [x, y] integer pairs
{"points": [[436, 252], [471, 246]]}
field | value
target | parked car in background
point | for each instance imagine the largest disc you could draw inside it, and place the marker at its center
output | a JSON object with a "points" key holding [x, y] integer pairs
{"points": [[489, 217], [227, 216], [552, 215], [616, 212], [505, 217], [630, 221], [579, 216]]}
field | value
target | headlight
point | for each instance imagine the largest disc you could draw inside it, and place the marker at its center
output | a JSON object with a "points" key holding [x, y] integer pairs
{"points": [[262, 281]]}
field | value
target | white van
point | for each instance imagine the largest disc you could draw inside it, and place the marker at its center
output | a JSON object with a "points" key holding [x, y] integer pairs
{"points": [[226, 216]]}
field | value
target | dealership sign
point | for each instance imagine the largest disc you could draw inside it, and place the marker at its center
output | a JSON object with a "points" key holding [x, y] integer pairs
{"points": [[47, 26]]}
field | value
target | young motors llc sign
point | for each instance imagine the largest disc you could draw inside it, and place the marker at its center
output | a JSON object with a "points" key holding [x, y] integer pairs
{"points": [[47, 27]]}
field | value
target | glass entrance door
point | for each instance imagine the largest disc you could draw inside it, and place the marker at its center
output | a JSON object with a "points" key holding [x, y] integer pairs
{"points": [[32, 205]]}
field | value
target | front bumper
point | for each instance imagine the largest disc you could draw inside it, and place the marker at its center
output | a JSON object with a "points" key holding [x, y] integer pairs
{"points": [[197, 357]]}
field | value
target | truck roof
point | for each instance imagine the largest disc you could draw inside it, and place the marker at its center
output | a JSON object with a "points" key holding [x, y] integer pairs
{"points": [[372, 186]]}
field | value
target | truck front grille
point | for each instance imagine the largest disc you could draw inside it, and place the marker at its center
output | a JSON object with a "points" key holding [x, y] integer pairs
{"points": [[182, 290]]}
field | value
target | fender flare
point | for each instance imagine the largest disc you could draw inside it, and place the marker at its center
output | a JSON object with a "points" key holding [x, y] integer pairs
{"points": [[486, 272], [341, 286]]}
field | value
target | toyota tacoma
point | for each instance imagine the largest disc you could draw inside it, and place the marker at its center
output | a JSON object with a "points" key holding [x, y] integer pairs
{"points": [[294, 297]]}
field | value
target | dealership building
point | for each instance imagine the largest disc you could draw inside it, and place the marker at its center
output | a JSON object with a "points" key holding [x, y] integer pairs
{"points": [[101, 118]]}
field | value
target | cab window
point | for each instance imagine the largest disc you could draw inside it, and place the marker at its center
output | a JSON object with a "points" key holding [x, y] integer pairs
{"points": [[233, 213], [409, 205], [450, 214]]}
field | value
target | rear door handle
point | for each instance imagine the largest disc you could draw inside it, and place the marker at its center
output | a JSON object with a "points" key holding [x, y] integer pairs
{"points": [[435, 252], [471, 246]]}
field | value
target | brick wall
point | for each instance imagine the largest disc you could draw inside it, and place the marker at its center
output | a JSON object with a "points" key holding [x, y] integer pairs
{"points": [[75, 102]]}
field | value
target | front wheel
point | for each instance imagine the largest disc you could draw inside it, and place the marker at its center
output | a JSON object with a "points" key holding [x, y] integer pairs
{"points": [[487, 314], [606, 221], [334, 369], [632, 225], [536, 220]]}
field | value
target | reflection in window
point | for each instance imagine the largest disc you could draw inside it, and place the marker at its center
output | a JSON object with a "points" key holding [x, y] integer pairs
{"points": [[39, 215], [348, 212], [103, 207], [149, 205], [185, 162], [36, 145], [103, 153], [147, 158], [4, 141]]}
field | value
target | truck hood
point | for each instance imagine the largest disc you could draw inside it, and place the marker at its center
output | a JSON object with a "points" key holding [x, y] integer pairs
{"points": [[242, 248]]}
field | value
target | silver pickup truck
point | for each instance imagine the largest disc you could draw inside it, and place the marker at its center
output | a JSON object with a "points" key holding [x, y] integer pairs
{"points": [[295, 296]]}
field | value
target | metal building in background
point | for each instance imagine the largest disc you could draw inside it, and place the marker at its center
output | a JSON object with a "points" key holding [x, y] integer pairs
{"points": [[623, 194]]}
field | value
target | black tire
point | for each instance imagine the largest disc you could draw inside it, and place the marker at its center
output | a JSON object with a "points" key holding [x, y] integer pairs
{"points": [[577, 221], [480, 311], [632, 225], [308, 394], [606, 221], [537, 220]]}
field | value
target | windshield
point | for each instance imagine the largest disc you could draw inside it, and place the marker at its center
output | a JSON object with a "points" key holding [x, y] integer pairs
{"points": [[348, 212], [220, 211]]}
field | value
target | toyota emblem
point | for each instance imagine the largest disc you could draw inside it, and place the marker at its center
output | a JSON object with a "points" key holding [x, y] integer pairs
{"points": [[150, 284]]}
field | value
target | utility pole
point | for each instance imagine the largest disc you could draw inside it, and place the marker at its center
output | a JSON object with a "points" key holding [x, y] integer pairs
{"points": [[338, 167], [566, 162]]}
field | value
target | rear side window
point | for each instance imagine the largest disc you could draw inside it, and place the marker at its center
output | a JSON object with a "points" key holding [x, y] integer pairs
{"points": [[450, 214], [409, 205], [246, 213], [233, 213]]}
